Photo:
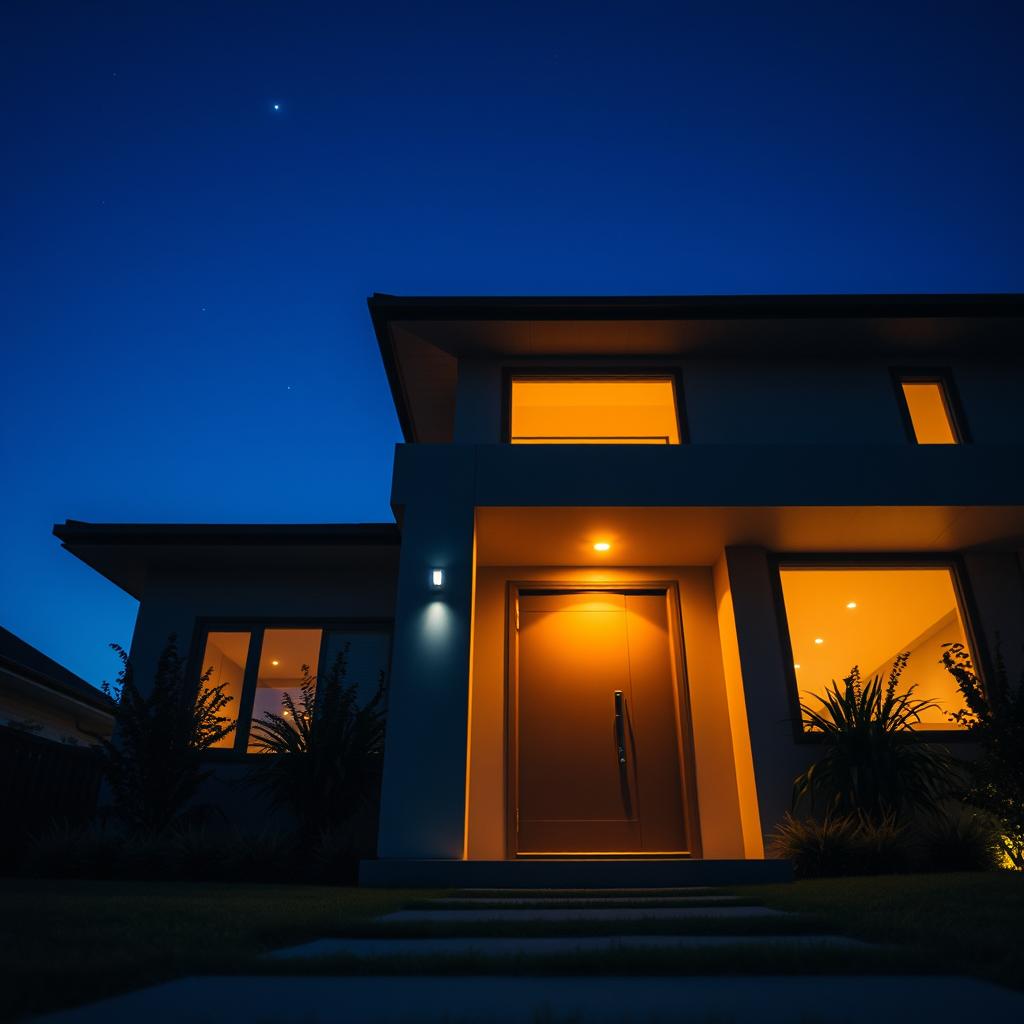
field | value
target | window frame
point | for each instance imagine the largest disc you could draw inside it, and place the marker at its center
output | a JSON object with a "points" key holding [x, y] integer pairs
{"points": [[943, 377], [593, 372], [256, 626], [952, 561]]}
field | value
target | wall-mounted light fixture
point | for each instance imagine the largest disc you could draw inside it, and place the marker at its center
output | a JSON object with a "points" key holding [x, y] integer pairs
{"points": [[437, 579]]}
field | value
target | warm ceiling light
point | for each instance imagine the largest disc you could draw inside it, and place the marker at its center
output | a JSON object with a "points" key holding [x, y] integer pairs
{"points": [[602, 545], [818, 640], [796, 664], [275, 662], [851, 604]]}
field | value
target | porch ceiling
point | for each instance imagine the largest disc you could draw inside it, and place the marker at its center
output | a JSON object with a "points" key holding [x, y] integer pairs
{"points": [[696, 536]]}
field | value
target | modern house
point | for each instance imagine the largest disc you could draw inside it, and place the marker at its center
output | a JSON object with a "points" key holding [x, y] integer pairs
{"points": [[632, 535]]}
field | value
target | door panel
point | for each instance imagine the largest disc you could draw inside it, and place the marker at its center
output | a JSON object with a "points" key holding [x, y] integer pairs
{"points": [[575, 650]]}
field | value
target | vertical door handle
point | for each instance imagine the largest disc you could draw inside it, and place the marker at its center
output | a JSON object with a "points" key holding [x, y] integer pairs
{"points": [[620, 728]]}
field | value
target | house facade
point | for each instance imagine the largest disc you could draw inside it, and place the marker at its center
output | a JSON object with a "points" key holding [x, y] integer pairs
{"points": [[632, 536]]}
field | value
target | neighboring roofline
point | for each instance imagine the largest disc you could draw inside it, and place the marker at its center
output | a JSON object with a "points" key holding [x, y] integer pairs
{"points": [[51, 675], [75, 531], [385, 309]]}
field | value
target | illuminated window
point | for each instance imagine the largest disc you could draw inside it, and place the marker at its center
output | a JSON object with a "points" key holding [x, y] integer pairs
{"points": [[928, 409], [841, 617], [614, 410], [224, 657], [259, 688]]}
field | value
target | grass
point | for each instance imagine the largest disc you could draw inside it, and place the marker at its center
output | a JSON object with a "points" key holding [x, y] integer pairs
{"points": [[68, 942], [960, 923]]}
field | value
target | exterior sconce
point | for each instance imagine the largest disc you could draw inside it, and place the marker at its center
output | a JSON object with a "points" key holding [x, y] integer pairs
{"points": [[437, 579]]}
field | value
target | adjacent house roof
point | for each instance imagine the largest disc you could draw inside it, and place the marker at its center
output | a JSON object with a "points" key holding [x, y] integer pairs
{"points": [[126, 552], [421, 339], [22, 659]]}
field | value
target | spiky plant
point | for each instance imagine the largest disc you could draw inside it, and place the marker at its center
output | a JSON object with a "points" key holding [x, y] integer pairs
{"points": [[872, 765], [153, 761], [994, 718], [324, 752]]}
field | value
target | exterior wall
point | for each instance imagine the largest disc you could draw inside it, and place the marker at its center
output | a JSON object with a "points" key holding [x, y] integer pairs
{"points": [[778, 400], [176, 601], [58, 716], [717, 792]]}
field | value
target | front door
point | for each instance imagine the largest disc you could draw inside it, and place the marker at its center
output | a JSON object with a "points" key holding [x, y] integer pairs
{"points": [[596, 726]]}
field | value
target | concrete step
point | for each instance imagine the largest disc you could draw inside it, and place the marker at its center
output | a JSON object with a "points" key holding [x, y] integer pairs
{"points": [[504, 947], [567, 902], [571, 914], [574, 874]]}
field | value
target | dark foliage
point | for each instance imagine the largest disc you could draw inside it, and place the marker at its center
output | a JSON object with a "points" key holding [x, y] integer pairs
{"points": [[994, 718], [964, 840], [841, 845], [153, 762], [869, 768], [323, 754]]}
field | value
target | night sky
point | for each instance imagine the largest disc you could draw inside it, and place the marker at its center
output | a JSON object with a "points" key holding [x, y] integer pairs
{"points": [[198, 198]]}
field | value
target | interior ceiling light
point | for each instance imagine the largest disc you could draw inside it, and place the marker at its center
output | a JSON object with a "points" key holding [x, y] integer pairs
{"points": [[275, 662], [851, 604], [796, 664], [602, 545], [818, 640]]}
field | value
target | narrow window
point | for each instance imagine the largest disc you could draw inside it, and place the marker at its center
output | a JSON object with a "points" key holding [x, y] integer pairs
{"points": [[224, 657], [841, 617], [286, 655], [614, 410], [928, 407]]}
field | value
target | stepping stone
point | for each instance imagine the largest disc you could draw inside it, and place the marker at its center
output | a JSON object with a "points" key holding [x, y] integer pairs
{"points": [[582, 914], [506, 947], [834, 999], [561, 894], [579, 901]]}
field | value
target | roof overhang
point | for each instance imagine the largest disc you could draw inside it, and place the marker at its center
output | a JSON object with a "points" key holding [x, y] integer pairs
{"points": [[126, 553], [422, 338]]}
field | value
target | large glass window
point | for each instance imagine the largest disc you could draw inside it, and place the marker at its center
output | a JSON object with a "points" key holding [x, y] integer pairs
{"points": [[841, 617], [614, 410], [258, 685]]}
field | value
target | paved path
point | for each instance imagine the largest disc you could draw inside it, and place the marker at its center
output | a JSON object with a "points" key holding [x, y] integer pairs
{"points": [[557, 1000], [619, 915]]}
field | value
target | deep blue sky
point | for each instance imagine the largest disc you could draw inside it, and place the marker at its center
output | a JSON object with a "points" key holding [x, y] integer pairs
{"points": [[184, 269]]}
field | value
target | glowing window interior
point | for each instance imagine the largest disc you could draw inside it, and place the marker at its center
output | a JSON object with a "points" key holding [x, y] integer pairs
{"points": [[839, 618], [576, 411], [224, 658], [929, 412], [285, 652]]}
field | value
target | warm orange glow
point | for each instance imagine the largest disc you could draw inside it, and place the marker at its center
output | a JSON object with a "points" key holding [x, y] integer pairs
{"points": [[282, 674], [602, 545], [226, 654], [929, 412], [568, 411], [913, 610]]}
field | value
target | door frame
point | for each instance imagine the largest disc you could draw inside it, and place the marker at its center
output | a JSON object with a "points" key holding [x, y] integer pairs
{"points": [[681, 705]]}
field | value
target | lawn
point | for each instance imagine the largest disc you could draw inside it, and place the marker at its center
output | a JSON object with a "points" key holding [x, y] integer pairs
{"points": [[67, 942], [963, 923]]}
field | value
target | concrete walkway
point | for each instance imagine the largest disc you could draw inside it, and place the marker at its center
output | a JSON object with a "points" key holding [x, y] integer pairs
{"points": [[576, 914], [557, 1000]]}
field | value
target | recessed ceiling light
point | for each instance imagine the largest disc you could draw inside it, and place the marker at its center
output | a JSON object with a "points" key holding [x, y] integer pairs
{"points": [[275, 662], [851, 604], [796, 664], [602, 545], [818, 640]]}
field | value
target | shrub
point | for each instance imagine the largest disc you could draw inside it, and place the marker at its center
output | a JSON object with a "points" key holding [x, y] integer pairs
{"points": [[869, 768], [994, 719], [841, 845], [152, 762], [959, 841], [336, 778]]}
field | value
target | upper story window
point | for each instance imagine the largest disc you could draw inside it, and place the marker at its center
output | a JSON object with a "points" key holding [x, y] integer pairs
{"points": [[583, 409], [928, 408]]}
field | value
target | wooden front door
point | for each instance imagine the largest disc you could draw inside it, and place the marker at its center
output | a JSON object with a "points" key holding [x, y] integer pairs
{"points": [[596, 733]]}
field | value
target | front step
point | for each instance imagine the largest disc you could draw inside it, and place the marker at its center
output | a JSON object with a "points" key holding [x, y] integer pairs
{"points": [[570, 874]]}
